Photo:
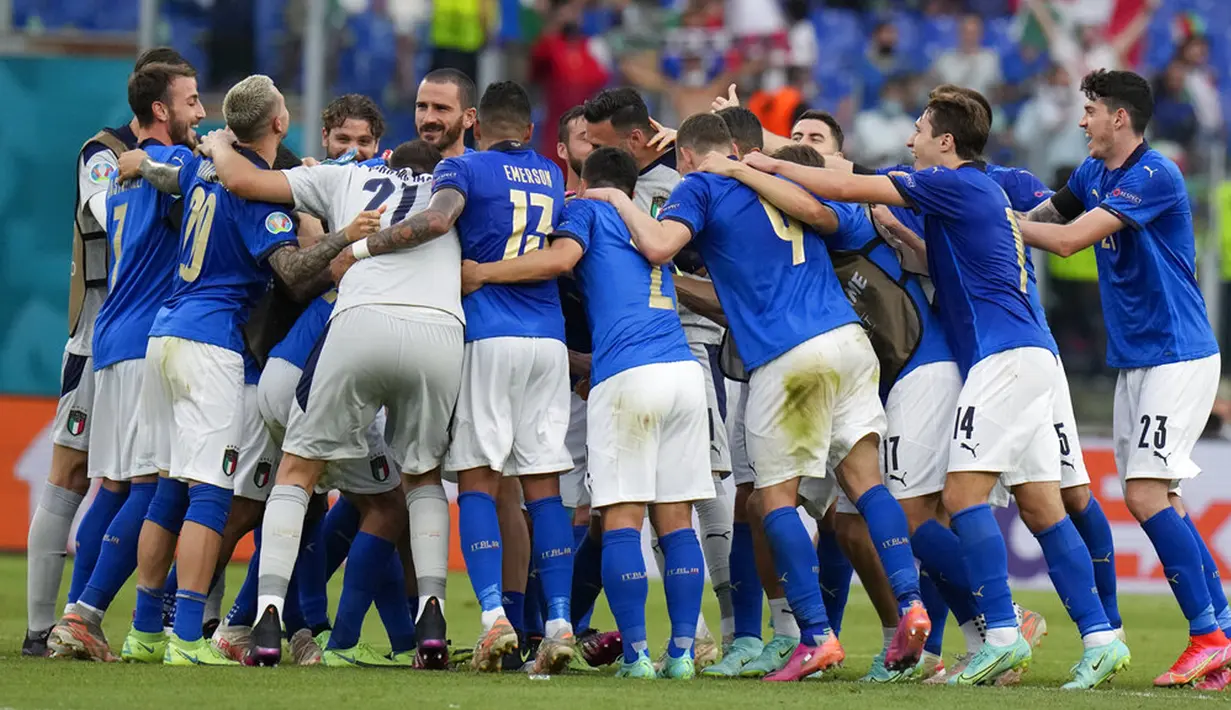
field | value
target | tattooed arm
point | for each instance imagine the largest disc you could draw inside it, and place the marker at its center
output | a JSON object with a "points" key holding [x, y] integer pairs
{"points": [[442, 211], [165, 177], [305, 272]]}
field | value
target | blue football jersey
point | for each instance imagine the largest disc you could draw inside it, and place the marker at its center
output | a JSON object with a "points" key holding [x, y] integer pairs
{"points": [[301, 338], [772, 274], [855, 232], [630, 303], [1025, 192], [143, 250], [977, 261], [1154, 309], [514, 197], [222, 268]]}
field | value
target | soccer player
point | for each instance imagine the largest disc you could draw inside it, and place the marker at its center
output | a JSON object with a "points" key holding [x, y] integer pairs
{"points": [[619, 118], [195, 361], [1000, 432], [165, 103], [887, 299], [445, 110], [352, 121], [1138, 219], [796, 362], [647, 385], [68, 480]]}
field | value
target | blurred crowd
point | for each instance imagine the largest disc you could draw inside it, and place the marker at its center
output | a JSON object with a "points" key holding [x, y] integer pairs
{"points": [[869, 62]]}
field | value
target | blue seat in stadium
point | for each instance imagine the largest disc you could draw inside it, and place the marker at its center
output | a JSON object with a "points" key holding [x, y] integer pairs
{"points": [[367, 65], [269, 21], [839, 31], [939, 36]]}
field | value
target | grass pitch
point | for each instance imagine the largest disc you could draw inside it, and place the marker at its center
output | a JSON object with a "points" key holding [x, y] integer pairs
{"points": [[1156, 634]]}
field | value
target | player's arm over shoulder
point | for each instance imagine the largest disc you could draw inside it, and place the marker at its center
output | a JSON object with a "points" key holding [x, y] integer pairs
{"points": [[420, 228], [659, 240], [569, 242], [304, 271], [243, 178]]}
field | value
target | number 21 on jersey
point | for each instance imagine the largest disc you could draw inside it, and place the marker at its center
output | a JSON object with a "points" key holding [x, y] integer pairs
{"points": [[523, 240]]}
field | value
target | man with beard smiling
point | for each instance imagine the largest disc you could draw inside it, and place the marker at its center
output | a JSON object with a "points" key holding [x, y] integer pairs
{"points": [[445, 110]]}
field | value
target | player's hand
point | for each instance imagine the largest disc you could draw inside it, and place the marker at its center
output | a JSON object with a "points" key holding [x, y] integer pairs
{"points": [[883, 215], [365, 223], [610, 195], [664, 137], [310, 162], [721, 102], [472, 277], [130, 164], [760, 161], [218, 138], [718, 164], [341, 264], [583, 388]]}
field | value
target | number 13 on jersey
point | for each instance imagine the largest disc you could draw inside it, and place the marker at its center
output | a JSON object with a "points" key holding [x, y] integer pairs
{"points": [[523, 240]]}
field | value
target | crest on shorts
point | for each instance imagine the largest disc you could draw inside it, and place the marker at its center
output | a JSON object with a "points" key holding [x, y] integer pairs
{"points": [[261, 476], [230, 458], [656, 205], [380, 468], [75, 425]]}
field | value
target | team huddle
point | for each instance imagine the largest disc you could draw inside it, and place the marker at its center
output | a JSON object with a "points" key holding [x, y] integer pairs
{"points": [[580, 349]]}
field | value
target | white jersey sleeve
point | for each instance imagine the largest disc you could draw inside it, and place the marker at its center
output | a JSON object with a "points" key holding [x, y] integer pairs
{"points": [[96, 169], [320, 190]]}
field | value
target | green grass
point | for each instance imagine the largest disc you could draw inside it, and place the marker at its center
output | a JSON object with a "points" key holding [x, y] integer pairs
{"points": [[1155, 628]]}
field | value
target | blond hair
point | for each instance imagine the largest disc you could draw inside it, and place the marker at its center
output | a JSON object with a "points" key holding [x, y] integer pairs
{"points": [[249, 106]]}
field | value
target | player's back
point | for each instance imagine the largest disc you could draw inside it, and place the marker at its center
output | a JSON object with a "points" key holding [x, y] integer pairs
{"points": [[144, 248], [514, 197], [630, 304], [772, 274], [428, 275], [222, 270], [977, 261], [1152, 303]]}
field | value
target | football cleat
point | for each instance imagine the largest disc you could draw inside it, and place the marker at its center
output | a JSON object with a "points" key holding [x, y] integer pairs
{"points": [[878, 673], [943, 675], [495, 642], [265, 648], [34, 645], [360, 655], [1218, 680], [808, 660], [431, 631], [80, 638], [773, 657], [642, 668], [738, 654], [704, 651], [195, 653], [1099, 665], [907, 644], [1033, 628], [143, 647], [1204, 655], [991, 661], [928, 667], [678, 668], [554, 653], [233, 641], [304, 651], [600, 648]]}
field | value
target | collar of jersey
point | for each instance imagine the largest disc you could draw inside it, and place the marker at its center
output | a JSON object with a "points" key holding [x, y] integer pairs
{"points": [[253, 156], [980, 165], [1135, 156], [125, 134], [509, 146], [666, 160], [152, 142]]}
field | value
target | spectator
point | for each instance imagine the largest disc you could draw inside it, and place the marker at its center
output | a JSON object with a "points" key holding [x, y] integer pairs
{"points": [[1088, 47], [1047, 130], [1201, 83], [879, 139], [1175, 119], [459, 30], [779, 108], [562, 63], [881, 61], [971, 64]]}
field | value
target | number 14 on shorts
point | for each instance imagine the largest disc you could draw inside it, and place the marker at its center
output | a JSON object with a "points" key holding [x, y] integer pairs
{"points": [[964, 430]]}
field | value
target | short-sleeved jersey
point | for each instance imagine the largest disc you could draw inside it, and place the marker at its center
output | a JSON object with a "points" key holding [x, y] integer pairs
{"points": [[855, 233], [772, 274], [301, 338], [514, 198], [654, 186], [97, 166], [428, 275], [1153, 306], [144, 249], [977, 261], [630, 303], [223, 268]]}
